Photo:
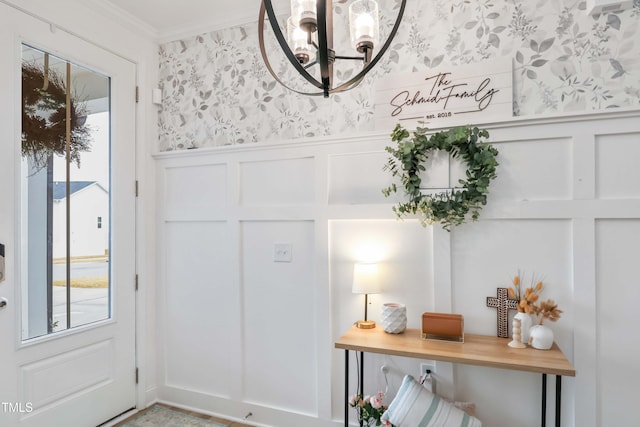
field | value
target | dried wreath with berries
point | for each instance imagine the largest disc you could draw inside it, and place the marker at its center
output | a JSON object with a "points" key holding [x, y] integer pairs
{"points": [[44, 118]]}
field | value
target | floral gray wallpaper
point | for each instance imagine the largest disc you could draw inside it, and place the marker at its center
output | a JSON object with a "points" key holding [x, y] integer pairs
{"points": [[217, 91]]}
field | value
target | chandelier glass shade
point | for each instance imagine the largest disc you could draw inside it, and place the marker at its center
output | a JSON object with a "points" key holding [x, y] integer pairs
{"points": [[309, 41]]}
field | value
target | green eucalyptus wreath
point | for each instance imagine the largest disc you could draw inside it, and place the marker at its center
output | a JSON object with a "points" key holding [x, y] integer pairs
{"points": [[449, 207]]}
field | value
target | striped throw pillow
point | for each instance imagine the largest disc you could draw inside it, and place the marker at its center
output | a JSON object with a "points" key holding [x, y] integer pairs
{"points": [[415, 406]]}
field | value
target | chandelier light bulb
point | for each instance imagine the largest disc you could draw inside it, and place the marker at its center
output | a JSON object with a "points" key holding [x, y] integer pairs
{"points": [[304, 14], [297, 39], [363, 24]]}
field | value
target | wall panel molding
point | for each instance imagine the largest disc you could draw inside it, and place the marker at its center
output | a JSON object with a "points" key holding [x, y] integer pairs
{"points": [[547, 212]]}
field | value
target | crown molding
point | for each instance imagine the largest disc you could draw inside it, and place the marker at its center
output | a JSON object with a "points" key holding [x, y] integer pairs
{"points": [[181, 33], [124, 18], [185, 32]]}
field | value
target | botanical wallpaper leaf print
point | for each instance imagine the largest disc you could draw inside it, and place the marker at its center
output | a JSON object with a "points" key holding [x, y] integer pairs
{"points": [[217, 90]]}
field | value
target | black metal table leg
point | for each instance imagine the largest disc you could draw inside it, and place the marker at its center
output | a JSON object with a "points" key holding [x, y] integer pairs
{"points": [[558, 398], [361, 391], [346, 388], [544, 400]]}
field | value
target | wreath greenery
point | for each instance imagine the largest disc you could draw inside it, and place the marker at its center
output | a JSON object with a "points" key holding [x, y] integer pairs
{"points": [[44, 104], [449, 207]]}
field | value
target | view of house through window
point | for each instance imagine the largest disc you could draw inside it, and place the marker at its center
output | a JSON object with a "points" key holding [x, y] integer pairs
{"points": [[64, 187]]}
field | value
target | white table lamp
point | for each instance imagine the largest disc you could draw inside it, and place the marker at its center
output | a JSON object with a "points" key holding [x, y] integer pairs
{"points": [[365, 281]]}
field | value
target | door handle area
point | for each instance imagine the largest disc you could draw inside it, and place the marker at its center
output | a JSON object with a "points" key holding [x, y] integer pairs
{"points": [[3, 302]]}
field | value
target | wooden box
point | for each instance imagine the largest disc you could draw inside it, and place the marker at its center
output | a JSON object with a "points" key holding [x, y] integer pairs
{"points": [[443, 326]]}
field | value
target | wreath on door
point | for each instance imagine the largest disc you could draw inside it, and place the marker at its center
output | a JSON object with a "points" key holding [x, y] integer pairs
{"points": [[44, 129], [449, 207]]}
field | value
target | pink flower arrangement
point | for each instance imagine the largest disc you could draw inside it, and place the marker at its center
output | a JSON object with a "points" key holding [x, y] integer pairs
{"points": [[370, 409]]}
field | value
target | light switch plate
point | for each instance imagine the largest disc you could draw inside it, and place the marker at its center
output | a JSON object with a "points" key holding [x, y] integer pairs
{"points": [[282, 252]]}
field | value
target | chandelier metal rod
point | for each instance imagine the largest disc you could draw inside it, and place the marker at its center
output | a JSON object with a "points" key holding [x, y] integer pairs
{"points": [[325, 43], [357, 58]]}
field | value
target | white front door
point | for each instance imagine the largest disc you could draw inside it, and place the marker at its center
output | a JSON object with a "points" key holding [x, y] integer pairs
{"points": [[67, 332]]}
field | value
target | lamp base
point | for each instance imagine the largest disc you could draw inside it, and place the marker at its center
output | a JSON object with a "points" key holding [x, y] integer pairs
{"points": [[365, 324]]}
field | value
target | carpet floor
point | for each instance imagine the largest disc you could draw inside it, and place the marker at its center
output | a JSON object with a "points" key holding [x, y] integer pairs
{"points": [[159, 415]]}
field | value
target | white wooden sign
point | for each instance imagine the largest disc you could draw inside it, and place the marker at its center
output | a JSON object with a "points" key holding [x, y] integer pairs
{"points": [[445, 97]]}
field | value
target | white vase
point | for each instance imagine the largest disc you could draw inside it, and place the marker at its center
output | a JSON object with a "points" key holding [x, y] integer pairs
{"points": [[525, 325], [541, 337], [394, 318]]}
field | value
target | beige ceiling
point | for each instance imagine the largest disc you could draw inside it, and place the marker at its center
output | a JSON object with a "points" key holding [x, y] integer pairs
{"points": [[173, 18]]}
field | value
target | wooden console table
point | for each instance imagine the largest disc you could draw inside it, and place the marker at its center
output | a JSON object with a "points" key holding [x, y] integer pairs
{"points": [[478, 350]]}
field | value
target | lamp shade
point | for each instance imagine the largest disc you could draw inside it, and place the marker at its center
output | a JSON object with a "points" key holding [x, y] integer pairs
{"points": [[365, 279]]}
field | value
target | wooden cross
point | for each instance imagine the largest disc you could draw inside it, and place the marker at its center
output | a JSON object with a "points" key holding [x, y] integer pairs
{"points": [[503, 303]]}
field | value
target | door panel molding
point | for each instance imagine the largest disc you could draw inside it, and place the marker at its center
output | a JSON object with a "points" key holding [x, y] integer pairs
{"points": [[49, 380]]}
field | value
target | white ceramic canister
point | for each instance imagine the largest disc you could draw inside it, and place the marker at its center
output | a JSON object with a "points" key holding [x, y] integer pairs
{"points": [[394, 318]]}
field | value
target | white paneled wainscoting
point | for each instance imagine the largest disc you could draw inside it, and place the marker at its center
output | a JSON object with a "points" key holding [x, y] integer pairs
{"points": [[241, 333]]}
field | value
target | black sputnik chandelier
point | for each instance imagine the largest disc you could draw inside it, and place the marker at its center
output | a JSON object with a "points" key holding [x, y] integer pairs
{"points": [[309, 40]]}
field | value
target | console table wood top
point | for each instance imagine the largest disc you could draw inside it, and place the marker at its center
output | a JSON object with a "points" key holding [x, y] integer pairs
{"points": [[479, 350]]}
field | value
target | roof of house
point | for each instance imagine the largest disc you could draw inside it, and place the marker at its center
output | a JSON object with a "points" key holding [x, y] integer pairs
{"points": [[60, 188]]}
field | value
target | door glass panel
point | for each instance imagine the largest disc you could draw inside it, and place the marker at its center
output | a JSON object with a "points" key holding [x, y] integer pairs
{"points": [[65, 186]]}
